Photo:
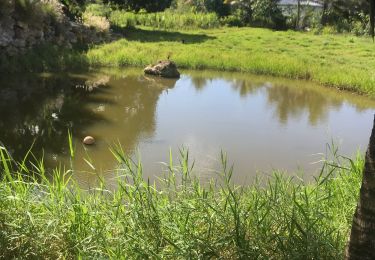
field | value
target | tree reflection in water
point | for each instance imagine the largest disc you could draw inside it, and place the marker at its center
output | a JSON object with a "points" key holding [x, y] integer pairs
{"points": [[294, 102], [290, 98], [38, 110]]}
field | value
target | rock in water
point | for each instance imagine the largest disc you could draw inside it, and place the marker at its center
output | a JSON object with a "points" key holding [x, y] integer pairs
{"points": [[89, 140], [166, 69]]}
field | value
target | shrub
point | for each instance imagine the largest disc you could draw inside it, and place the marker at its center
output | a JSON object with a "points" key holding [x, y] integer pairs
{"points": [[28, 11], [100, 24], [98, 10], [232, 20], [329, 30], [165, 20], [122, 19]]}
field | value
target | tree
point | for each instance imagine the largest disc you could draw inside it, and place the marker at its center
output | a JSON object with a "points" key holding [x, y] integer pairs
{"points": [[217, 6], [220, 7], [266, 13], [362, 236], [324, 12], [137, 5], [361, 244], [73, 8], [298, 14], [343, 13], [372, 18]]}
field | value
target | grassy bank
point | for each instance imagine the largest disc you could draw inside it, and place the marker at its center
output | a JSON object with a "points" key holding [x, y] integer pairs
{"points": [[45, 58], [178, 218], [342, 61]]}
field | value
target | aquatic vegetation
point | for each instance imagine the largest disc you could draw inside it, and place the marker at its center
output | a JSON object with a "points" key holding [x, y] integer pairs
{"points": [[177, 217]]}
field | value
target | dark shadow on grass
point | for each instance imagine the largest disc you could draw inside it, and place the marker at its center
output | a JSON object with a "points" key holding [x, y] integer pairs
{"points": [[145, 35]]}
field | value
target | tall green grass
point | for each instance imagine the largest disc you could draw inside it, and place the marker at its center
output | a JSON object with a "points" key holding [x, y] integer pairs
{"points": [[341, 61], [46, 216], [165, 20]]}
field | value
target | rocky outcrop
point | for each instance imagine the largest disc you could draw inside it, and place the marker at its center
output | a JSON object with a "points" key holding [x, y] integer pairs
{"points": [[166, 69], [24, 27]]}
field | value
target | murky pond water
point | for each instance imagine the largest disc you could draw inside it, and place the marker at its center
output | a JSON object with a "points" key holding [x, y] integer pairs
{"points": [[262, 123]]}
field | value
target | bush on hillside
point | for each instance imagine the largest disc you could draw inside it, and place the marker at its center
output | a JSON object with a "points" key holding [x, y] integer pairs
{"points": [[99, 23]]}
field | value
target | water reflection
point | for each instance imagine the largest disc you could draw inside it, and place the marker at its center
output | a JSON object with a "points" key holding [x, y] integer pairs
{"points": [[38, 110], [290, 98], [39, 107], [292, 102], [262, 122]]}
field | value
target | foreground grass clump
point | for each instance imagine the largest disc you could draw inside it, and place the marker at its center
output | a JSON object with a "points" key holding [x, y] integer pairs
{"points": [[342, 61], [178, 218]]}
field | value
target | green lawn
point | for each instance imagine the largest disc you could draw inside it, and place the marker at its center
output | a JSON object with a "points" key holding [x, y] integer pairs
{"points": [[342, 61]]}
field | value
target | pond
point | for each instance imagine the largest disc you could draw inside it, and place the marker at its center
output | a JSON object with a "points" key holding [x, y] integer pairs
{"points": [[262, 123]]}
